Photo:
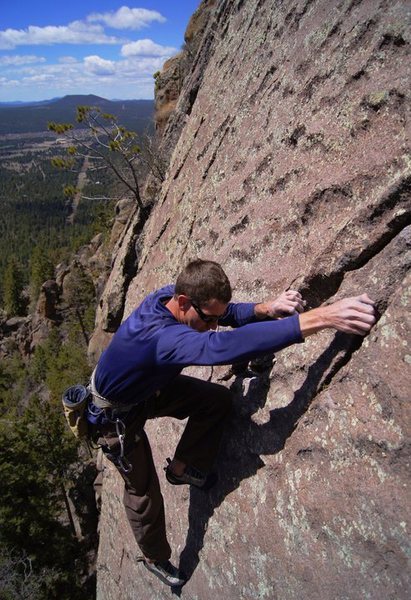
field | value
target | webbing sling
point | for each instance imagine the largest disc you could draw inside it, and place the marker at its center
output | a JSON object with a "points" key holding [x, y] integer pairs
{"points": [[102, 402]]}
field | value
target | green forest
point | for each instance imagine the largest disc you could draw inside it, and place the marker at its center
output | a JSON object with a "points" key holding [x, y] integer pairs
{"points": [[43, 470], [34, 213], [42, 467], [48, 516]]}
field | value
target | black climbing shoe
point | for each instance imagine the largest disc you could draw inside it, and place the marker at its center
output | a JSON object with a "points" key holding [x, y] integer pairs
{"points": [[191, 476], [166, 572]]}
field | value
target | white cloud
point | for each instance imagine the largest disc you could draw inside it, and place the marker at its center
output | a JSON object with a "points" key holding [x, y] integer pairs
{"points": [[76, 32], [127, 18], [146, 65], [75, 79], [147, 47], [4, 82], [99, 66], [128, 77], [92, 67], [41, 78], [18, 60], [67, 60]]}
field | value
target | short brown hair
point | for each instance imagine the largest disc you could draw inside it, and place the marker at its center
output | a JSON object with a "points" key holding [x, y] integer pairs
{"points": [[202, 281]]}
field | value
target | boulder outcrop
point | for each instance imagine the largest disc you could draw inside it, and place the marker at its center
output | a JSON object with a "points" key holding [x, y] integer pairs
{"points": [[169, 81], [292, 168]]}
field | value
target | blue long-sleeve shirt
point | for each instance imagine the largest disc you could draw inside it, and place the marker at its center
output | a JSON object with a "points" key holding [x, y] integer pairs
{"points": [[151, 347]]}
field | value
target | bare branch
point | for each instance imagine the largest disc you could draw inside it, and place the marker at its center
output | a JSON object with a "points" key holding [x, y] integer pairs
{"points": [[100, 197], [94, 169]]}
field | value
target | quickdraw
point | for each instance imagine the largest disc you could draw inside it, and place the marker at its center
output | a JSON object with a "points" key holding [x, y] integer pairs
{"points": [[119, 459]]}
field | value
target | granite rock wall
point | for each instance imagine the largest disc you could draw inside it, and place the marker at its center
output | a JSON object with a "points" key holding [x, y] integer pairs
{"points": [[292, 169]]}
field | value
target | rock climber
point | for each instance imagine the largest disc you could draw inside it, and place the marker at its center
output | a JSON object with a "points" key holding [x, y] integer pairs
{"points": [[138, 377]]}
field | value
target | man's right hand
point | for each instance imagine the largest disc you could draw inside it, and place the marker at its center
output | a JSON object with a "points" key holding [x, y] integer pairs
{"points": [[350, 315]]}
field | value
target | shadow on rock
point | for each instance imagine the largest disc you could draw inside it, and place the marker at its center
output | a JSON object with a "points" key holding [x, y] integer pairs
{"points": [[245, 440]]}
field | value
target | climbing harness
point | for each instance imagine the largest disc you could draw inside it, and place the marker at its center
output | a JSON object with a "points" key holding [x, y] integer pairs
{"points": [[111, 413], [78, 400]]}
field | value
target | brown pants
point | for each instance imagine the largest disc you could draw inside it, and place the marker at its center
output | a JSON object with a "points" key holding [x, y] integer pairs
{"points": [[206, 405]]}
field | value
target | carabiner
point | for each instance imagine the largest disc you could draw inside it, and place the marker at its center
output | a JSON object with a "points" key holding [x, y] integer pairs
{"points": [[124, 464]]}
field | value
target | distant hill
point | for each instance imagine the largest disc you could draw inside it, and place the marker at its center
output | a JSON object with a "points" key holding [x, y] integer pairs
{"points": [[24, 103], [133, 114]]}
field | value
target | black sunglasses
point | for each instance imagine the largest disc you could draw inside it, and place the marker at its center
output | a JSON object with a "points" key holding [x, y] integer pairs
{"points": [[204, 317]]}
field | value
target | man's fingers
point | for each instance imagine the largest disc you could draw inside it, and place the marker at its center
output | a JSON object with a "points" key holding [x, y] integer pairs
{"points": [[359, 321], [365, 308], [288, 303], [365, 321], [357, 327], [295, 300], [292, 306], [353, 315], [300, 306], [358, 331], [365, 299], [351, 306], [293, 295], [363, 327]]}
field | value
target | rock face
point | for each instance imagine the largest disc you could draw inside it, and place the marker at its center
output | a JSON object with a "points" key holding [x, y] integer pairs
{"points": [[170, 80], [48, 299], [292, 169]]}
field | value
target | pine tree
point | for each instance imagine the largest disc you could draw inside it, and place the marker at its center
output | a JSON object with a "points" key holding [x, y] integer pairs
{"points": [[79, 293], [14, 304], [37, 453], [41, 269], [108, 146]]}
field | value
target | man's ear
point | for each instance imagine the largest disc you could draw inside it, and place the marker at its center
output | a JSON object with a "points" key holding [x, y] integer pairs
{"points": [[184, 303]]}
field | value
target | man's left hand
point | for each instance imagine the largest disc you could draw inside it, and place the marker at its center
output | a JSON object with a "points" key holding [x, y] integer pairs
{"points": [[288, 303]]}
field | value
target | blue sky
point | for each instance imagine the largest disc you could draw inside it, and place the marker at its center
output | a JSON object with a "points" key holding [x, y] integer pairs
{"points": [[108, 48]]}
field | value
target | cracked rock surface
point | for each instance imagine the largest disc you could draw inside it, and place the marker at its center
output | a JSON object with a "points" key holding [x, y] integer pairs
{"points": [[292, 169]]}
